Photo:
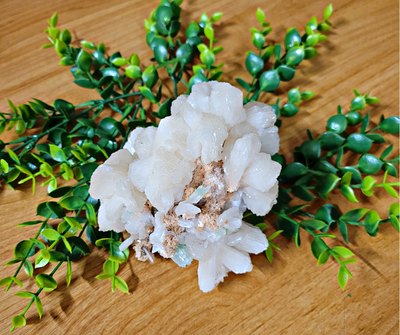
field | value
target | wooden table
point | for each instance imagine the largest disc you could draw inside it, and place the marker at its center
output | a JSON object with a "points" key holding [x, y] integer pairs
{"points": [[291, 296]]}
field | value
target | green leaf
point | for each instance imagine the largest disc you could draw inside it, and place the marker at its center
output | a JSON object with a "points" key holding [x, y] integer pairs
{"points": [[310, 52], [369, 164], [60, 192], [390, 190], [342, 252], [56, 256], [18, 321], [286, 73], [275, 235], [262, 226], [72, 203], [326, 184], [51, 234], [269, 81], [39, 306], [69, 272], [395, 222], [29, 223], [85, 83], [121, 285], [64, 107], [353, 118], [25, 294], [110, 267], [327, 213], [287, 225], [390, 125], [386, 152], [28, 268], [80, 244], [394, 209], [17, 281], [294, 170], [359, 143], [133, 72], [337, 123], [148, 94], [311, 149], [328, 12], [348, 193], [367, 184], [66, 243], [260, 15], [349, 261], [12, 261], [55, 208], [372, 223], [313, 224], [317, 247], [343, 277], [289, 110], [46, 282], [330, 141], [269, 253], [73, 223], [24, 249], [292, 38], [5, 281], [343, 230], [57, 154], [355, 214], [324, 256], [88, 169], [302, 193], [254, 64], [104, 276], [13, 156], [84, 60], [295, 56]]}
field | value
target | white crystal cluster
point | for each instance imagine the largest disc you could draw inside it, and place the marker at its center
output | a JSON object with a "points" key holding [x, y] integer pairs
{"points": [[181, 189]]}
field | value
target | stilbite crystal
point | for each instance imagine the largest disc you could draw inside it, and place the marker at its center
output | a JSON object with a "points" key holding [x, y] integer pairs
{"points": [[181, 188]]}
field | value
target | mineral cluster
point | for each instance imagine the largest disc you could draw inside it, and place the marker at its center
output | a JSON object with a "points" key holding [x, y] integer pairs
{"points": [[180, 189]]}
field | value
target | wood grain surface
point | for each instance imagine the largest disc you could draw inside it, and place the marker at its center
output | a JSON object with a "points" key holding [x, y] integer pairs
{"points": [[291, 296]]}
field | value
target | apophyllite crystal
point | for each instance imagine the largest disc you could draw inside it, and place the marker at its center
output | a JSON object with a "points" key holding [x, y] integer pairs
{"points": [[181, 189]]}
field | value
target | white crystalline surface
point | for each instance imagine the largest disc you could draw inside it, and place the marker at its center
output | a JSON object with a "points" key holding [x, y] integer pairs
{"points": [[181, 189]]}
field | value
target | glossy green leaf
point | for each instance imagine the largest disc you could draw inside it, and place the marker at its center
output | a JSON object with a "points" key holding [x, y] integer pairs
{"points": [[369, 164], [313, 224], [292, 38], [354, 214], [390, 125], [324, 256], [72, 203], [51, 234], [295, 56], [337, 123], [254, 64], [24, 249], [326, 184], [84, 61], [18, 321], [46, 282], [269, 81], [342, 252], [359, 143], [294, 170], [330, 141], [121, 285], [343, 277]]}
